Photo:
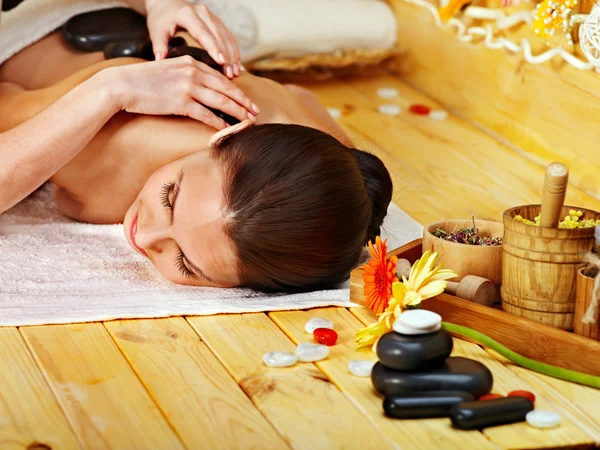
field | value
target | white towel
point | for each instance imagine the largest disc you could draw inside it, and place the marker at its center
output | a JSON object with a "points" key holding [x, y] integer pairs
{"points": [[261, 27], [54, 270]]}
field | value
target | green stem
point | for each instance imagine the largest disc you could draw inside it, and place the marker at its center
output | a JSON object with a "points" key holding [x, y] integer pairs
{"points": [[546, 369]]}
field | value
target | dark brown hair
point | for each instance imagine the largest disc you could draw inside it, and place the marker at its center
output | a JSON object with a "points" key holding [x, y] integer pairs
{"points": [[300, 205]]}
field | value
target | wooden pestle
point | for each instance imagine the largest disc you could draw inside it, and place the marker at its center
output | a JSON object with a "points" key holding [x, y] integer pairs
{"points": [[553, 195], [477, 289]]}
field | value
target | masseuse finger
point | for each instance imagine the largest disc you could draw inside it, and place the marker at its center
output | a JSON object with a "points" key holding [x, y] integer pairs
{"points": [[160, 34], [221, 33], [200, 113], [199, 31], [222, 103], [212, 79]]}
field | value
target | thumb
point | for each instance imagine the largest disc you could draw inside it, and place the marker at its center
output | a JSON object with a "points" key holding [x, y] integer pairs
{"points": [[160, 42]]}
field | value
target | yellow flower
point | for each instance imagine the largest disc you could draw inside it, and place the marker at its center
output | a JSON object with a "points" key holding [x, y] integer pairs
{"points": [[423, 282]]}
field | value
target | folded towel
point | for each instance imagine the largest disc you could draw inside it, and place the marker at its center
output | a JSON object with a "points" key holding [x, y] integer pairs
{"points": [[54, 270], [261, 27]]}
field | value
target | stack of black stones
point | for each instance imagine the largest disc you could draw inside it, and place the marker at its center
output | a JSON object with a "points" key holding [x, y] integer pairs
{"points": [[419, 379]]}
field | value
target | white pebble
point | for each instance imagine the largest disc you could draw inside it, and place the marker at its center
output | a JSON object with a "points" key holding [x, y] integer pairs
{"points": [[387, 92], [540, 418], [417, 321], [390, 110], [438, 114], [309, 352], [361, 367], [334, 112], [317, 322], [279, 359]]}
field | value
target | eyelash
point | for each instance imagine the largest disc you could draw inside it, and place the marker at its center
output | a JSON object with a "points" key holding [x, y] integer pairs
{"points": [[182, 267], [164, 199]]}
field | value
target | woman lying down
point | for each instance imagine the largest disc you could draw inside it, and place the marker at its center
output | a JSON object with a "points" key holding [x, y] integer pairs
{"points": [[276, 205]]}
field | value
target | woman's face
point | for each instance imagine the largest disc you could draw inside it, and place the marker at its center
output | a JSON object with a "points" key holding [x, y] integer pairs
{"points": [[177, 222]]}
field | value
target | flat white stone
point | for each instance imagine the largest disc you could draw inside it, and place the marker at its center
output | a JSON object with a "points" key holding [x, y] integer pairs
{"points": [[387, 92], [317, 322], [279, 359], [390, 110], [438, 114], [309, 352], [334, 112], [419, 319], [540, 418], [403, 329], [361, 367]]}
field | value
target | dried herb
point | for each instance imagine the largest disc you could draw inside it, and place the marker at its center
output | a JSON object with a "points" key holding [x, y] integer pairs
{"points": [[468, 236]]}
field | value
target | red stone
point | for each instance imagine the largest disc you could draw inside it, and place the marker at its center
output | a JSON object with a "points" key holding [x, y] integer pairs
{"points": [[325, 336], [525, 394], [421, 110], [490, 397]]}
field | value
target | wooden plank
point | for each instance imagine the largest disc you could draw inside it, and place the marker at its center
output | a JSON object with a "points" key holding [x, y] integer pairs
{"points": [[522, 435], [199, 398], [105, 403], [462, 170], [300, 402], [30, 413], [427, 434], [580, 403], [549, 112]]}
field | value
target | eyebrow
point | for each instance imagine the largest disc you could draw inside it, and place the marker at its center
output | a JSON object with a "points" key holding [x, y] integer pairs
{"points": [[195, 269]]}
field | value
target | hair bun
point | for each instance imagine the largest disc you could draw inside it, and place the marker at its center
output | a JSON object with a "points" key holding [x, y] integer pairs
{"points": [[379, 187]]}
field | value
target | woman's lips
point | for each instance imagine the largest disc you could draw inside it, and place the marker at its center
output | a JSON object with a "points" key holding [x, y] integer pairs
{"points": [[132, 233]]}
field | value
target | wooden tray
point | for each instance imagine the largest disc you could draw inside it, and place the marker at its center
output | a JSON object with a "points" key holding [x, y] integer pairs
{"points": [[528, 338]]}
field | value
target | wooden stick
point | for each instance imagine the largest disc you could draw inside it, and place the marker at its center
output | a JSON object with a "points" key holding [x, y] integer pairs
{"points": [[553, 196], [476, 289]]}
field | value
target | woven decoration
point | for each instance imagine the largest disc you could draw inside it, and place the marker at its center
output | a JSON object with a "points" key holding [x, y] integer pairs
{"points": [[589, 36]]}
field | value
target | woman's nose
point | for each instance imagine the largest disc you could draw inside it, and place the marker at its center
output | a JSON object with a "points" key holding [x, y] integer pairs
{"points": [[152, 237]]}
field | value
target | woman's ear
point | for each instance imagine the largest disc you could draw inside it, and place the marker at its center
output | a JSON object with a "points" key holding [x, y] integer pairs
{"points": [[229, 130]]}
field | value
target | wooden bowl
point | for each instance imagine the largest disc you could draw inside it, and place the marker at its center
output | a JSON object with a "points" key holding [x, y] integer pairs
{"points": [[464, 259]]}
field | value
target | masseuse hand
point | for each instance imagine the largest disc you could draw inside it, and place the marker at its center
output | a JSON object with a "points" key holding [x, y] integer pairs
{"points": [[166, 16], [179, 86]]}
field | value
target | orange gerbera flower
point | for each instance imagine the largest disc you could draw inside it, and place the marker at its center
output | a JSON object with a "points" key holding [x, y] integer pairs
{"points": [[379, 275]]}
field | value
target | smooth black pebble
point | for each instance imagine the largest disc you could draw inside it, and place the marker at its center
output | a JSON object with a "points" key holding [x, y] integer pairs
{"points": [[456, 374], [92, 31], [489, 413], [419, 405], [424, 351]]}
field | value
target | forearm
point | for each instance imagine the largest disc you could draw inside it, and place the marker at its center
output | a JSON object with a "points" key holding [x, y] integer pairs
{"points": [[35, 150]]}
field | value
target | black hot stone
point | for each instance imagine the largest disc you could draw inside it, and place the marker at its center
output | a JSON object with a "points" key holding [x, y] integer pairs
{"points": [[419, 405], [402, 352], [91, 32], [456, 374], [489, 413]]}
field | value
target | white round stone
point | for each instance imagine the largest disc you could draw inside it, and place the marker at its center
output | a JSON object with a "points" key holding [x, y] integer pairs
{"points": [[438, 114], [390, 110], [309, 352], [361, 367], [403, 329], [334, 112], [279, 359], [420, 321], [540, 418], [317, 322], [387, 92]]}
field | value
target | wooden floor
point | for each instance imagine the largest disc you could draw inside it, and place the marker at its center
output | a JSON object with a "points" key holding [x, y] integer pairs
{"points": [[200, 382]]}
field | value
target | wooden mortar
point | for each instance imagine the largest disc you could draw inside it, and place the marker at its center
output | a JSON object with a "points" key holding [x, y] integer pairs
{"points": [[479, 260], [583, 297], [539, 266]]}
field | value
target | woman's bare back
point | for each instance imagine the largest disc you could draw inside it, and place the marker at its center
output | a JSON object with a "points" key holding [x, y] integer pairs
{"points": [[105, 178]]}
